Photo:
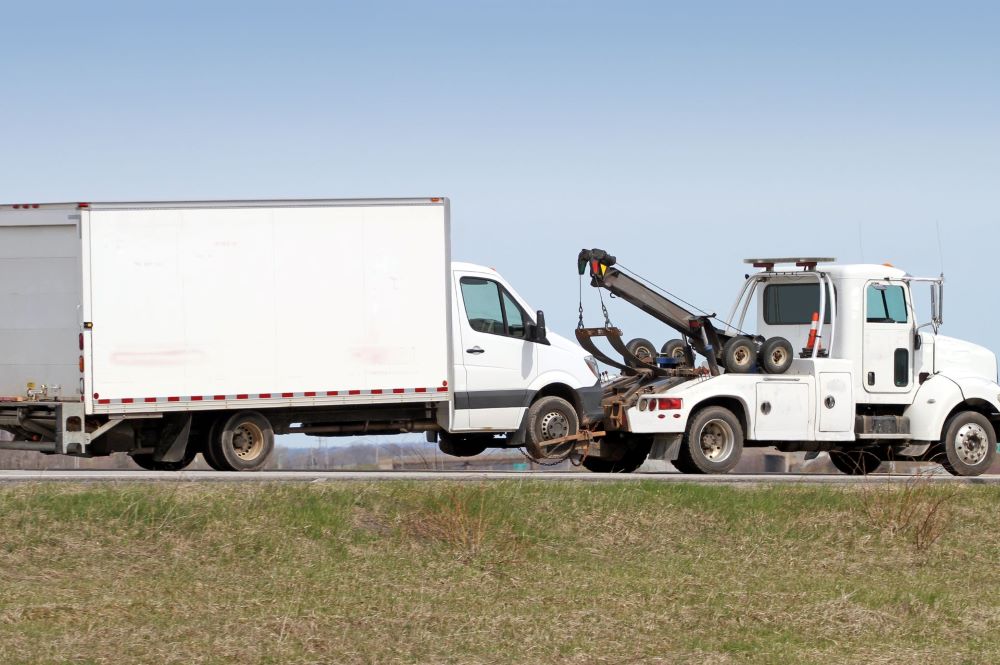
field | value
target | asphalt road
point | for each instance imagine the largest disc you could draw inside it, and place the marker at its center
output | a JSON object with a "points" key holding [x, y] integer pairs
{"points": [[13, 476]]}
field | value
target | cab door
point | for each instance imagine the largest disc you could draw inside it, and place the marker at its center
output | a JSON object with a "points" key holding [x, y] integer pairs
{"points": [[497, 358], [887, 356]]}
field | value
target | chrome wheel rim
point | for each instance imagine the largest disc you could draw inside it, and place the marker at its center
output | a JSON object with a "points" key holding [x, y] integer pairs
{"points": [[717, 440], [971, 444], [248, 441]]}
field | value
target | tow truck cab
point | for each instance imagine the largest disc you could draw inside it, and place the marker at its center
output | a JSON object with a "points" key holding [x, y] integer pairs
{"points": [[871, 381]]}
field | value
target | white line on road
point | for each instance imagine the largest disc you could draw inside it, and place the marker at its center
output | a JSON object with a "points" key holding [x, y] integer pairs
{"points": [[8, 476]]}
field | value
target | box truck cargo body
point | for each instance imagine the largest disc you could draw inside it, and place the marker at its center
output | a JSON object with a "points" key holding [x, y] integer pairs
{"points": [[148, 327]]}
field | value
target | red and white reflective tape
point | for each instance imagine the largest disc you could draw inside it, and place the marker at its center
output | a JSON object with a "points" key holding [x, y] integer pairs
{"points": [[271, 396]]}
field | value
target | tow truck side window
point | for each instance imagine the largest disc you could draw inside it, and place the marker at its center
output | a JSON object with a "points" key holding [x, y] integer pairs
{"points": [[793, 304], [490, 309], [886, 304]]}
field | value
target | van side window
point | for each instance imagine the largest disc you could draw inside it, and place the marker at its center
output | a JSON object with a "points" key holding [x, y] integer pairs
{"points": [[515, 316], [491, 309], [886, 304], [482, 305]]}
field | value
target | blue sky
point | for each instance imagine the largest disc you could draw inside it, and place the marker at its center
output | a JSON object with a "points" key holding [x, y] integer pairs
{"points": [[681, 138]]}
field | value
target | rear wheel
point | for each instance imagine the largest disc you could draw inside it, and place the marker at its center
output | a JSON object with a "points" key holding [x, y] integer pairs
{"points": [[713, 442], [636, 451], [457, 445], [855, 462], [208, 446], [739, 355], [147, 462], [970, 444], [243, 442]]}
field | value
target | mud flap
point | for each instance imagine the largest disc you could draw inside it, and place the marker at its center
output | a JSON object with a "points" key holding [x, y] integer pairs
{"points": [[665, 447], [173, 440]]}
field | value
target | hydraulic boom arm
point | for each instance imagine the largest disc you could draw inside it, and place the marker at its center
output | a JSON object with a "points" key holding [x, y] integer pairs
{"points": [[704, 337]]}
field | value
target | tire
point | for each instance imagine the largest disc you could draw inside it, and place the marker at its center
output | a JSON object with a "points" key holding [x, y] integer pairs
{"points": [[683, 466], [207, 447], [243, 442], [644, 349], [635, 454], [775, 356], [855, 462], [550, 417], [462, 446], [739, 355], [146, 461], [713, 442], [969, 446], [680, 351]]}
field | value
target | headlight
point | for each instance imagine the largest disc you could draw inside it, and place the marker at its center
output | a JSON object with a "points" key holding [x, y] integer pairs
{"points": [[592, 364]]}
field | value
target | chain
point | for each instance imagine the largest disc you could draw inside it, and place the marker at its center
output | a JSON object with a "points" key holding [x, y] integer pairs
{"points": [[580, 324], [534, 461], [607, 319]]}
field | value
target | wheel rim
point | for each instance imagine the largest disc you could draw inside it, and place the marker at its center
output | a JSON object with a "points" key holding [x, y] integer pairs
{"points": [[741, 356], [717, 440], [555, 425], [971, 444], [248, 441], [778, 356]]}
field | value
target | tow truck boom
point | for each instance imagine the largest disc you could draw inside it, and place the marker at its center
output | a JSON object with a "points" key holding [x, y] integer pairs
{"points": [[697, 329]]}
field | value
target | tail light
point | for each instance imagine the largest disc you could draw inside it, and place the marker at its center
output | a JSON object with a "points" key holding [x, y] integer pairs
{"points": [[661, 404]]}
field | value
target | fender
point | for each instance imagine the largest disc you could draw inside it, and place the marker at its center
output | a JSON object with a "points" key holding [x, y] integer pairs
{"points": [[939, 396]]}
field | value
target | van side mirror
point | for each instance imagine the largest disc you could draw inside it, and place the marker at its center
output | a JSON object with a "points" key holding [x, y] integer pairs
{"points": [[538, 332]]}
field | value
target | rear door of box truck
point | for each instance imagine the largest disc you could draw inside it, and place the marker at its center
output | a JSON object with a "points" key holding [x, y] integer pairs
{"points": [[40, 287], [264, 304]]}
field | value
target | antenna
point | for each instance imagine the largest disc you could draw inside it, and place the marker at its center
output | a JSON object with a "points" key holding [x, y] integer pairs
{"points": [[861, 243], [937, 225]]}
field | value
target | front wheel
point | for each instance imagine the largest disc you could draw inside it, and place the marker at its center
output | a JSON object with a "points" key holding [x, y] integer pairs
{"points": [[550, 417], [970, 444], [713, 442]]}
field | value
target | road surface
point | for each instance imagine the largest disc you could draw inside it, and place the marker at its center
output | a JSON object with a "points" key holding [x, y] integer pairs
{"points": [[13, 476]]}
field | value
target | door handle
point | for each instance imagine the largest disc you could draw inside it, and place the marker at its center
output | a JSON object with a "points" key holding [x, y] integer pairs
{"points": [[475, 350]]}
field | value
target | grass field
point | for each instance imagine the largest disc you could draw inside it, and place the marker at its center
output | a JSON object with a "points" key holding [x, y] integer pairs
{"points": [[512, 572]]}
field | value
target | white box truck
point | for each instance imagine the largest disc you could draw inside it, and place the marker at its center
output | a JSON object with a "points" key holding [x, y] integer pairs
{"points": [[169, 329]]}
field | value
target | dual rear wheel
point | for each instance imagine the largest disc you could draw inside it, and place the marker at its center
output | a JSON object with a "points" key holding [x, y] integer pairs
{"points": [[239, 442]]}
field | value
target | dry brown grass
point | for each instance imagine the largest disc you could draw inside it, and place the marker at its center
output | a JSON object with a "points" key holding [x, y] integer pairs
{"points": [[514, 572], [918, 509]]}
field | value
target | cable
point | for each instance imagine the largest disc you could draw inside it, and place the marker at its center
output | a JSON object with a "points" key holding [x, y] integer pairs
{"points": [[639, 277]]}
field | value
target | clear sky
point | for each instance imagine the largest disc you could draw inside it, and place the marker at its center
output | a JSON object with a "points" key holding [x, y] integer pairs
{"points": [[682, 137]]}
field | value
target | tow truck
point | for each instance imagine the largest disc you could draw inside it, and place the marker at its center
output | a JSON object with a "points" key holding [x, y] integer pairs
{"points": [[837, 364]]}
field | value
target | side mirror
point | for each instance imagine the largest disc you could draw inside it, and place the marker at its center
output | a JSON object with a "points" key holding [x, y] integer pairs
{"points": [[539, 333]]}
